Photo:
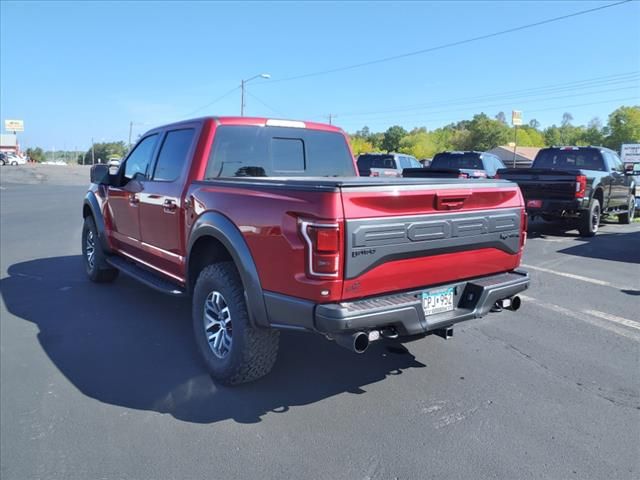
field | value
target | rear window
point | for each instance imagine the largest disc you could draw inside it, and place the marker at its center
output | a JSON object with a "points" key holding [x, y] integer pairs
{"points": [[252, 151], [469, 161], [367, 162], [583, 159]]}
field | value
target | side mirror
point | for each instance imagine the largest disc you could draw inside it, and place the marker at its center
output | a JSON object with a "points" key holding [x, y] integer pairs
{"points": [[632, 168], [133, 186], [100, 174]]}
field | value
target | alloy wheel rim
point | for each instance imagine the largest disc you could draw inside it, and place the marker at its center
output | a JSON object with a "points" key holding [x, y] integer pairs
{"points": [[217, 324], [90, 249], [595, 219]]}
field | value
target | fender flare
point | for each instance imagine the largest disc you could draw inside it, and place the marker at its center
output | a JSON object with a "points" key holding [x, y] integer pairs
{"points": [[219, 227], [91, 202]]}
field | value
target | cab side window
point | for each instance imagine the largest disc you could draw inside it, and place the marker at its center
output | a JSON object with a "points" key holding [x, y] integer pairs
{"points": [[138, 161], [173, 155]]}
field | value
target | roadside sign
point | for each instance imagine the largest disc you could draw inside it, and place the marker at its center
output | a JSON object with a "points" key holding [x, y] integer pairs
{"points": [[516, 118], [14, 125], [630, 152]]}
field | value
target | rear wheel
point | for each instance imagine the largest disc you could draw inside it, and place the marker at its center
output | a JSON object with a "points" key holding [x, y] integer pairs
{"points": [[631, 211], [233, 350], [590, 220], [94, 257], [14, 163]]}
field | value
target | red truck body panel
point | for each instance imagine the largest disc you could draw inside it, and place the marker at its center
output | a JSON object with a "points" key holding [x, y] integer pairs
{"points": [[269, 221]]}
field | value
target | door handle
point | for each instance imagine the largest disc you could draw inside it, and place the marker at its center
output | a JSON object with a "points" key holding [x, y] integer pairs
{"points": [[133, 199], [169, 206]]}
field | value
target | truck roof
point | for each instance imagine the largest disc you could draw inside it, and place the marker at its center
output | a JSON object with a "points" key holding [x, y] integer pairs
{"points": [[255, 121]]}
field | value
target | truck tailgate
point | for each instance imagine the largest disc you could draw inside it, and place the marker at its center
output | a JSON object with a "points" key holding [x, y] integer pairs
{"points": [[543, 184], [405, 236]]}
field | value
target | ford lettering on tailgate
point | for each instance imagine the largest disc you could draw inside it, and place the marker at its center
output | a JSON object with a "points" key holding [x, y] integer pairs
{"points": [[372, 242]]}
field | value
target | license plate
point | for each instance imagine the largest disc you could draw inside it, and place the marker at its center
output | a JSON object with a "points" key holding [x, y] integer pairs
{"points": [[534, 203], [437, 302]]}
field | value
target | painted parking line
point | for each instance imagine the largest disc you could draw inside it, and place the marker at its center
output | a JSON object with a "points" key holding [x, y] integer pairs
{"points": [[573, 276], [604, 322], [614, 318]]}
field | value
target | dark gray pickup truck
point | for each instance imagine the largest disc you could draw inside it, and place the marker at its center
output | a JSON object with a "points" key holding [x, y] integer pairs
{"points": [[578, 183]]}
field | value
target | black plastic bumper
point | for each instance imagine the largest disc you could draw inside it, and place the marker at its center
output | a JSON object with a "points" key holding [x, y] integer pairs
{"points": [[403, 311], [559, 208]]}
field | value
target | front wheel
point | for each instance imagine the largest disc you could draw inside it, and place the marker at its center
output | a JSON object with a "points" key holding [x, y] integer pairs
{"points": [[627, 218], [14, 163], [590, 220], [233, 350], [94, 258]]}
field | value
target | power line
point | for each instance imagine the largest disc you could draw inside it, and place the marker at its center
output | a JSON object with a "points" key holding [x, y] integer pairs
{"points": [[501, 102], [212, 102], [514, 94], [557, 108], [450, 44], [485, 106], [265, 104]]}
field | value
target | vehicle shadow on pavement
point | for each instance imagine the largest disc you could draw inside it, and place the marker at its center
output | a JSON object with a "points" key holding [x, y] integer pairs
{"points": [[617, 247], [126, 345]]}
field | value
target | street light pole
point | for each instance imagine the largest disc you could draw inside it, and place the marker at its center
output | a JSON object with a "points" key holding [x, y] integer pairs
{"points": [[243, 83], [242, 98]]}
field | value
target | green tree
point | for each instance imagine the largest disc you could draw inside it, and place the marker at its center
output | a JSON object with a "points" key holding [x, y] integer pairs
{"points": [[360, 145], [501, 117], [623, 127], [418, 143], [533, 123], [392, 138], [593, 134], [102, 152], [35, 154], [486, 133]]}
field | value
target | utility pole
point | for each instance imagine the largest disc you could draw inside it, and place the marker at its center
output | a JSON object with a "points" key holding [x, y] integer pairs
{"points": [[242, 98], [243, 83], [130, 131], [330, 118], [515, 144], [93, 153]]}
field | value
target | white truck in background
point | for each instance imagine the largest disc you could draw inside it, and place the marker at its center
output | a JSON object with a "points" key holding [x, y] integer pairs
{"points": [[630, 156]]}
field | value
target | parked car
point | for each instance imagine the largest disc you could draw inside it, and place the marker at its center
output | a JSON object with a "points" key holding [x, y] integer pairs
{"points": [[466, 164], [3, 159], [385, 164], [266, 226], [11, 158], [577, 183]]}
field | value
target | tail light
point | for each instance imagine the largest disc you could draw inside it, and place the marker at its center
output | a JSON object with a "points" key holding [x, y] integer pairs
{"points": [[375, 174], [581, 186], [525, 226], [323, 248], [479, 174]]}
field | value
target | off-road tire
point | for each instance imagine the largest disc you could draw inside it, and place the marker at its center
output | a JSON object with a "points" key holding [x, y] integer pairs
{"points": [[100, 271], [590, 220], [253, 350], [627, 218]]}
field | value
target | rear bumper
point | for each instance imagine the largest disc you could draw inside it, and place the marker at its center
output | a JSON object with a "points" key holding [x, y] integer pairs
{"points": [[472, 299], [558, 207]]}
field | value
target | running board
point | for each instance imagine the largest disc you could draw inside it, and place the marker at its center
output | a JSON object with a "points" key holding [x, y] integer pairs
{"points": [[145, 276]]}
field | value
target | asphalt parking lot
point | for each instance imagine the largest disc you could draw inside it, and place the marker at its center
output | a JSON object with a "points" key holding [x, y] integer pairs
{"points": [[103, 381]]}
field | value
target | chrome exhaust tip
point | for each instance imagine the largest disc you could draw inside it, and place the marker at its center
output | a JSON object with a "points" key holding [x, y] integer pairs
{"points": [[357, 342], [512, 303]]}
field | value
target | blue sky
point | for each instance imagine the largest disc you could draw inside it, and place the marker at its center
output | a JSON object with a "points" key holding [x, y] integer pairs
{"points": [[73, 71]]}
